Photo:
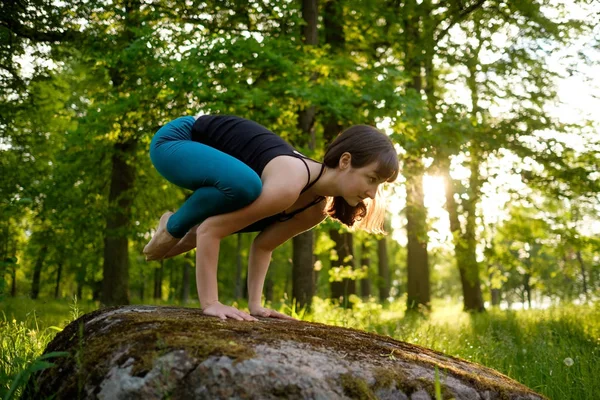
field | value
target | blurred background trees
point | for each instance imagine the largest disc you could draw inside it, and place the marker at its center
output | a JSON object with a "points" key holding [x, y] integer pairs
{"points": [[497, 202]]}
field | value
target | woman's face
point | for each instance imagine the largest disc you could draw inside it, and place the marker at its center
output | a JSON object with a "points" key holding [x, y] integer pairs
{"points": [[358, 184]]}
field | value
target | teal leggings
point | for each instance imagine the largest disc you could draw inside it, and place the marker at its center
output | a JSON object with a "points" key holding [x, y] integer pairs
{"points": [[221, 183]]}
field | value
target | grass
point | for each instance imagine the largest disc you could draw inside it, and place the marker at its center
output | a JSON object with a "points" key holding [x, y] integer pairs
{"points": [[556, 351]]}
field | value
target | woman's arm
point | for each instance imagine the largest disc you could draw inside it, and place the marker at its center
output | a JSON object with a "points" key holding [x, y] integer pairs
{"points": [[267, 241], [279, 192]]}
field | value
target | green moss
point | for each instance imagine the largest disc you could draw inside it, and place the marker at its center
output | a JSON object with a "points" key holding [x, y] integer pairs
{"points": [[147, 336], [287, 391], [356, 388], [429, 387], [384, 378], [396, 377]]}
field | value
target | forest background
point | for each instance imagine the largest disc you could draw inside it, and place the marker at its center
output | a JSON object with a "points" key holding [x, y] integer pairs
{"points": [[490, 103]]}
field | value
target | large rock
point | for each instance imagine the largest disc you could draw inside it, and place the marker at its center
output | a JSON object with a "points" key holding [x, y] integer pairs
{"points": [[143, 352]]}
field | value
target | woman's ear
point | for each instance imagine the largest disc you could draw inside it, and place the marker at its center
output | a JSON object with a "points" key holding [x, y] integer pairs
{"points": [[345, 161]]}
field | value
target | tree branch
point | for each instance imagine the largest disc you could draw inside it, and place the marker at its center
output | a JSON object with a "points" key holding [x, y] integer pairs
{"points": [[38, 36], [461, 15]]}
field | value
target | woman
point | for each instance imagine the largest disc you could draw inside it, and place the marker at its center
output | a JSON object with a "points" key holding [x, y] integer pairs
{"points": [[245, 178]]}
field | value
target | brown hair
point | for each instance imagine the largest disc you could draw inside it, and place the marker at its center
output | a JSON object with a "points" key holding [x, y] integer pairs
{"points": [[366, 145]]}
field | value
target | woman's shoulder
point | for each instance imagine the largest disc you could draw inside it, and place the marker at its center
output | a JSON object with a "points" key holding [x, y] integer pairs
{"points": [[287, 172]]}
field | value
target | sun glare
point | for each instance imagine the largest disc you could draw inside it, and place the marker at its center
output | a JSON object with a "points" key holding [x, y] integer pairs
{"points": [[491, 207], [435, 200]]}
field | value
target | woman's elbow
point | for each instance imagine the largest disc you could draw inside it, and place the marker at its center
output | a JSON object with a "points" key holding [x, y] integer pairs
{"points": [[262, 244]]}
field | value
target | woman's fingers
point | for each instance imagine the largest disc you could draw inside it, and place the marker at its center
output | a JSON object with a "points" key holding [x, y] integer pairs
{"points": [[223, 312], [240, 315], [267, 313], [236, 316], [275, 314], [250, 318]]}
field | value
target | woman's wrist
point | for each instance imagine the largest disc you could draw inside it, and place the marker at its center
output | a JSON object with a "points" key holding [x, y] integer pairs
{"points": [[205, 304], [258, 264], [254, 304]]}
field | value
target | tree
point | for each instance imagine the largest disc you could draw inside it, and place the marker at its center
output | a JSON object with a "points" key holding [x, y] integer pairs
{"points": [[343, 280], [383, 270], [303, 280], [365, 263], [481, 135]]}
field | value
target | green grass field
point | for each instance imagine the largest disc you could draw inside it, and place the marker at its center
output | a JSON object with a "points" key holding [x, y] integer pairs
{"points": [[556, 351]]}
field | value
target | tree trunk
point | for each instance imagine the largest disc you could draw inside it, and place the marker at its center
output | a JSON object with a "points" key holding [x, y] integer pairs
{"points": [[238, 269], [58, 273], [115, 285], [303, 285], [185, 280], [37, 271], [473, 297], [417, 258], [172, 283], [306, 116], [13, 284], [527, 289], [96, 290], [583, 275], [116, 244], [303, 282], [80, 279], [365, 262], [496, 298], [494, 292], [384, 270], [418, 286], [464, 245], [142, 284], [158, 276], [79, 289], [344, 247]]}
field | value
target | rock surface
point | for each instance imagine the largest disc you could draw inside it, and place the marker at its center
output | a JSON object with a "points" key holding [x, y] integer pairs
{"points": [[147, 352]]}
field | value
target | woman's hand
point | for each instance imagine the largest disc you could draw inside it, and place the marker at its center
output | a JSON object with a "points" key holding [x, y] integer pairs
{"points": [[268, 313], [222, 311]]}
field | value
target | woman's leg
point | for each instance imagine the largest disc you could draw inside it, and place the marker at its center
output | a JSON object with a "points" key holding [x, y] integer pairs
{"points": [[185, 244], [221, 183]]}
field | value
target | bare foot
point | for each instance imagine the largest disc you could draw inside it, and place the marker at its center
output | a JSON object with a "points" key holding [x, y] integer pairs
{"points": [[162, 241]]}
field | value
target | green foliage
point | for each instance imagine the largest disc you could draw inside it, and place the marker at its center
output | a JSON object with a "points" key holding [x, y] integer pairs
{"points": [[338, 274], [21, 347], [127, 71], [39, 364], [543, 250], [438, 388]]}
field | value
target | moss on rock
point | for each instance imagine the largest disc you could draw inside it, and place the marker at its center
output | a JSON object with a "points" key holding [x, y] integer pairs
{"points": [[131, 340]]}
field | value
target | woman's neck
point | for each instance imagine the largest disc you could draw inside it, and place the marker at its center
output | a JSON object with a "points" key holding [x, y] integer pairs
{"points": [[326, 185]]}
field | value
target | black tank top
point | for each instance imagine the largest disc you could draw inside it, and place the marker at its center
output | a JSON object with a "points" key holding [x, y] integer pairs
{"points": [[249, 142], [255, 146]]}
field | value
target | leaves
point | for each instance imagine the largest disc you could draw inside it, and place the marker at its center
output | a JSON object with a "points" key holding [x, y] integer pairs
{"points": [[473, 82]]}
